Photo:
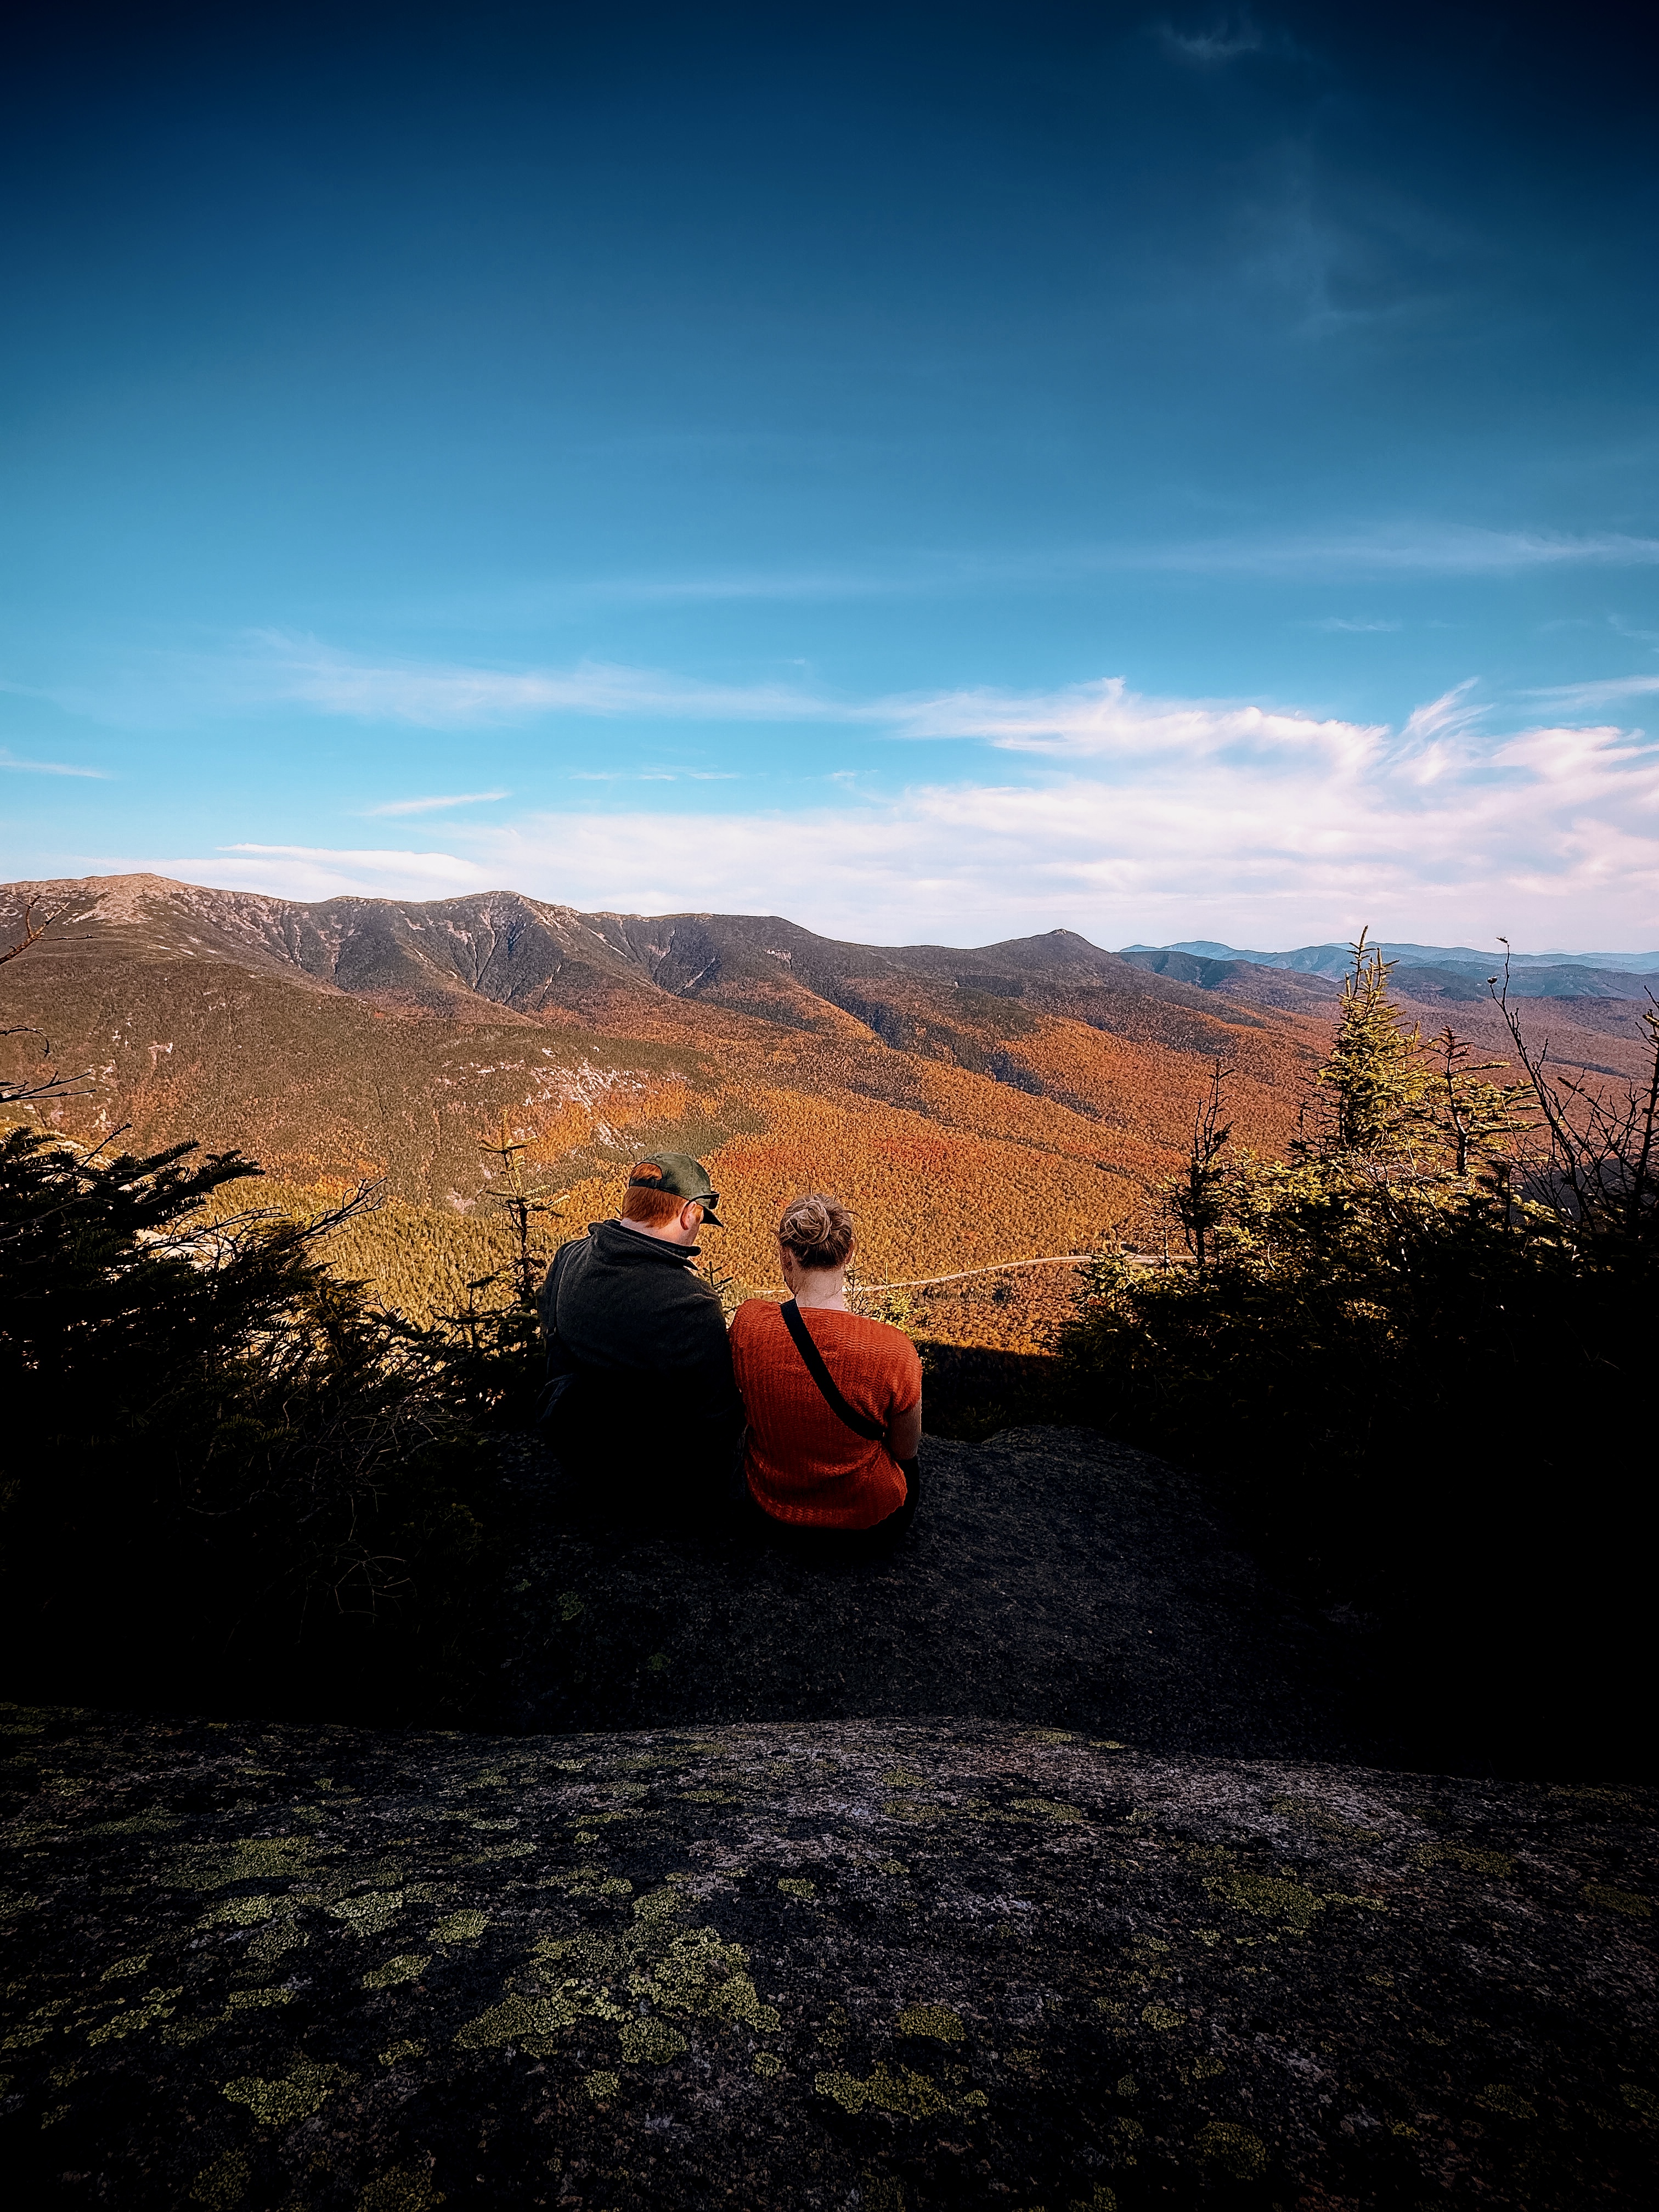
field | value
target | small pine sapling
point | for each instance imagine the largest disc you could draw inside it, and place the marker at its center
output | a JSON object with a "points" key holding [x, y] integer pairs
{"points": [[1197, 1197], [523, 1202]]}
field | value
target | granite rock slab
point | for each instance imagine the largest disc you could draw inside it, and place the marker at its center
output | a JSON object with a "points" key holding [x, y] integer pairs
{"points": [[1053, 1576], [887, 1966]]}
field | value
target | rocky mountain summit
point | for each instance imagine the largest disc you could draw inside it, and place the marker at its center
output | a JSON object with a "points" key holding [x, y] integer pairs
{"points": [[1025, 1869], [532, 957]]}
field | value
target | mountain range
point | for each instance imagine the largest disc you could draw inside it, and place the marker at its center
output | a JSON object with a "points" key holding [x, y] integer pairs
{"points": [[974, 1104], [1435, 971]]}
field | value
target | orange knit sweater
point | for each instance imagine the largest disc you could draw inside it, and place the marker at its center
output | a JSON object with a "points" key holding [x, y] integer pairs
{"points": [[804, 1465]]}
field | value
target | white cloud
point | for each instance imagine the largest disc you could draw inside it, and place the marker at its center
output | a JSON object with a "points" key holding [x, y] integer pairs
{"points": [[1384, 549], [313, 872], [1550, 836], [1225, 42], [434, 806], [1439, 737], [1390, 548], [731, 584], [1254, 828], [1101, 718], [1604, 692], [269, 669], [1132, 816], [655, 775], [446, 696], [1434, 549], [52, 768], [1106, 720]]}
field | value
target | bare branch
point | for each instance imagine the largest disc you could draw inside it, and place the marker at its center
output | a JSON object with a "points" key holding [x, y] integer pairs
{"points": [[52, 1087], [33, 931], [1602, 1178]]}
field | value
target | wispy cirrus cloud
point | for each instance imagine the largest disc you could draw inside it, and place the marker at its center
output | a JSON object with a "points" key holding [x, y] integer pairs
{"points": [[1248, 817], [1101, 718], [1383, 550], [323, 871], [809, 584], [1603, 691], [1387, 549], [52, 768], [440, 695], [655, 775], [1227, 39], [436, 805], [1435, 549]]}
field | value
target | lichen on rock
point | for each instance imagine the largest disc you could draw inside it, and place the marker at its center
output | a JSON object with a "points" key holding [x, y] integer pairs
{"points": [[1008, 2014], [292, 2096]]}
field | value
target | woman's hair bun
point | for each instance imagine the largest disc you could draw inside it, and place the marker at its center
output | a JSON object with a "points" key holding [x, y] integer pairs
{"points": [[818, 1231]]}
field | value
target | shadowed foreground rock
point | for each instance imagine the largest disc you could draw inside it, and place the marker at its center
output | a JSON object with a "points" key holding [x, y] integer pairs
{"points": [[884, 1966], [1052, 1576]]}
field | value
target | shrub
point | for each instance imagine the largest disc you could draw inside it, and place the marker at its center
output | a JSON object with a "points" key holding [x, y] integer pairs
{"points": [[225, 1469], [1415, 1356]]}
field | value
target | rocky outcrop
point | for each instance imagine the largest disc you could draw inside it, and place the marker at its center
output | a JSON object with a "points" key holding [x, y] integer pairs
{"points": [[1053, 1577], [1033, 1867], [905, 1964]]}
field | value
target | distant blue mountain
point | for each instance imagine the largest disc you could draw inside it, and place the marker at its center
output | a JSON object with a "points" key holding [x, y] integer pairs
{"points": [[1334, 959], [1421, 971]]}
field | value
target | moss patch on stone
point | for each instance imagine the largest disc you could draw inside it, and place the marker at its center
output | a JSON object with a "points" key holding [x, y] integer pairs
{"points": [[401, 2189], [463, 1927]]}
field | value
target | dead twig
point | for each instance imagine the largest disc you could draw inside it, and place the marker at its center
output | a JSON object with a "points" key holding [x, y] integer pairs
{"points": [[33, 931]]}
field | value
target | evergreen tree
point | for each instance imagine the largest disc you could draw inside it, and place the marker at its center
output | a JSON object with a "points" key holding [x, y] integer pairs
{"points": [[1369, 1102], [1476, 1122], [1198, 1198], [1413, 1355]]}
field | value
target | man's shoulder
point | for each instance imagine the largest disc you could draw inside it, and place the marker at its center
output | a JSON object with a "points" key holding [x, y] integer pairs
{"points": [[568, 1255], [644, 1272]]}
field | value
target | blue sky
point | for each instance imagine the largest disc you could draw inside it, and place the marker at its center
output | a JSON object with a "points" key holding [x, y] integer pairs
{"points": [[933, 472]]}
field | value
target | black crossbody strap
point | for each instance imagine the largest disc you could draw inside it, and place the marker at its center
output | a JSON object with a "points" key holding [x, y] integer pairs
{"points": [[825, 1381]]}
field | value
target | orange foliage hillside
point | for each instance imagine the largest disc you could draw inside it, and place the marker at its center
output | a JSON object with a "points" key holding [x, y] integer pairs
{"points": [[972, 1106]]}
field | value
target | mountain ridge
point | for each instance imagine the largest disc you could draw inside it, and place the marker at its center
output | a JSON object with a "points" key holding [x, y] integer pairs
{"points": [[1334, 959], [977, 1105]]}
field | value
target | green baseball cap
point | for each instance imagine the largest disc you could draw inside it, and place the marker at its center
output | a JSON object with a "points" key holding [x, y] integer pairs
{"points": [[680, 1175]]}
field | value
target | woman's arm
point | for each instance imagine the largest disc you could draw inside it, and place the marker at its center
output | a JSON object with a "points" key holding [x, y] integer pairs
{"points": [[904, 1432]]}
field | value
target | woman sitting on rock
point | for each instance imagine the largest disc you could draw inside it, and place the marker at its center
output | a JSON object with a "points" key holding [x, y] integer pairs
{"points": [[833, 1400]]}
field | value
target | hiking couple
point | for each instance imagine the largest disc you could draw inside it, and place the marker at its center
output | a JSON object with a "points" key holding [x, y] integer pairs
{"points": [[652, 1402]]}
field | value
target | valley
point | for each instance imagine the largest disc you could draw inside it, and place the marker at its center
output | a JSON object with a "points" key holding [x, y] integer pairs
{"points": [[974, 1106]]}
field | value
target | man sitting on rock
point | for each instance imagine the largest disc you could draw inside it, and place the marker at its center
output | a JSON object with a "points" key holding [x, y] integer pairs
{"points": [[639, 1395]]}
